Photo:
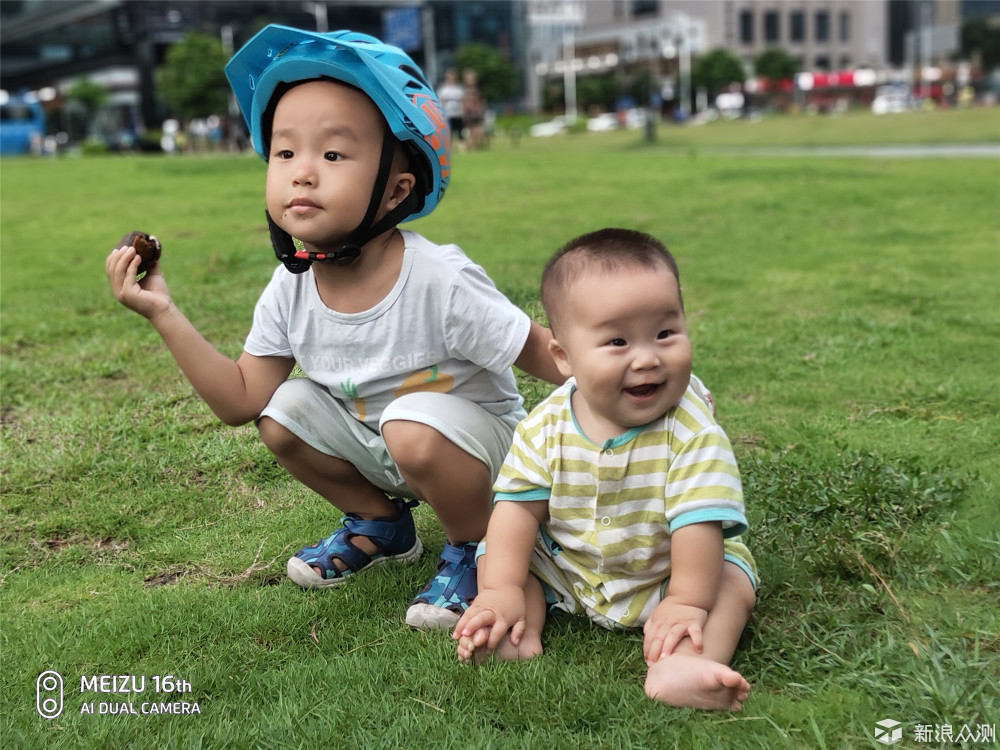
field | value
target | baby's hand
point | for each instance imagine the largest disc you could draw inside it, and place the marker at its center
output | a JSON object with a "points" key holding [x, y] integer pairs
{"points": [[148, 297], [670, 623], [491, 615]]}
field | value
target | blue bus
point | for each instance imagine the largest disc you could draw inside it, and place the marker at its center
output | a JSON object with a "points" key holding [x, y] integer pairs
{"points": [[22, 125]]}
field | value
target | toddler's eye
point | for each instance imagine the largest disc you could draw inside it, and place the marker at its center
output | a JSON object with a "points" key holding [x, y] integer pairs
{"points": [[284, 154], [618, 342], [664, 334], [332, 156]]}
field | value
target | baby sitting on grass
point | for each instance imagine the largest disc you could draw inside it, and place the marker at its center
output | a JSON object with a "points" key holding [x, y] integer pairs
{"points": [[620, 496]]}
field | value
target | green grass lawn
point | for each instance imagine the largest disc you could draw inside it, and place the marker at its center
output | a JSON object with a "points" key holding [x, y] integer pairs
{"points": [[845, 313]]}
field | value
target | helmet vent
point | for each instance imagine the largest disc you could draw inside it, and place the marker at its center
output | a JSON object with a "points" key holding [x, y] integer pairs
{"points": [[414, 73]]}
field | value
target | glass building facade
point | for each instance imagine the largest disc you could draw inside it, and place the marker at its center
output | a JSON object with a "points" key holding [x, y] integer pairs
{"points": [[47, 44]]}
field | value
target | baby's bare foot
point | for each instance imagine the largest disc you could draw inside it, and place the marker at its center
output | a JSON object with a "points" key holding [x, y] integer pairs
{"points": [[528, 647], [696, 682]]}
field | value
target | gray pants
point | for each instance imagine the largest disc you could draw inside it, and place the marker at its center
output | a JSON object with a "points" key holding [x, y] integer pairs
{"points": [[316, 417]]}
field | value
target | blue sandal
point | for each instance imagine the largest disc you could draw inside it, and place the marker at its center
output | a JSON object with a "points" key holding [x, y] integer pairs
{"points": [[450, 592], [395, 536]]}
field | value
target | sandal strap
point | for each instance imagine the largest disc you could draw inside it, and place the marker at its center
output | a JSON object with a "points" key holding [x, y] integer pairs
{"points": [[453, 587], [353, 557], [457, 555], [381, 531]]}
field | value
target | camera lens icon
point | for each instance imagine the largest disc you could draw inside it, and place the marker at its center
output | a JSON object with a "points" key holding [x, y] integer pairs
{"points": [[49, 694]]}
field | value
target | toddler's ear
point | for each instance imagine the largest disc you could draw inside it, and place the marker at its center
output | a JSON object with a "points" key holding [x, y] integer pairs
{"points": [[561, 358], [401, 187]]}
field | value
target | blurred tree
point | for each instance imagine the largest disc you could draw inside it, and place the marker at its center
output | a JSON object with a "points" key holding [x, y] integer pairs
{"points": [[496, 76], [91, 96], [553, 95], [640, 87], [192, 80], [775, 64], [600, 91], [981, 38], [716, 70]]}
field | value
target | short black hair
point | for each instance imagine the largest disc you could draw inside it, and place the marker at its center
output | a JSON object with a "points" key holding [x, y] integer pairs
{"points": [[610, 250]]}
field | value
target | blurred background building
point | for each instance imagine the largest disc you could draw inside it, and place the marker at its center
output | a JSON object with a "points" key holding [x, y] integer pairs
{"points": [[46, 46], [562, 52], [837, 46]]}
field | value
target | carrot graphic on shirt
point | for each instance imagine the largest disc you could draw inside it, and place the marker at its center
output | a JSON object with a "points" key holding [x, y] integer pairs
{"points": [[426, 380], [351, 391]]}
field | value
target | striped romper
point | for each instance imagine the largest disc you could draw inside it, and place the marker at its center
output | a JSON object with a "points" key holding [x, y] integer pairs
{"points": [[605, 547]]}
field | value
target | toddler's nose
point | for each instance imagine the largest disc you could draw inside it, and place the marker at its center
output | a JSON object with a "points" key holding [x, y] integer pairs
{"points": [[303, 175]]}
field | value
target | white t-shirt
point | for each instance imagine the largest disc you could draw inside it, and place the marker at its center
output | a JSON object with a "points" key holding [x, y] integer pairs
{"points": [[444, 327], [450, 95]]}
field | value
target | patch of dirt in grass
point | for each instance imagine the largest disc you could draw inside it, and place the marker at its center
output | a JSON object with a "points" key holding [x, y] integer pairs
{"points": [[166, 578], [104, 547]]}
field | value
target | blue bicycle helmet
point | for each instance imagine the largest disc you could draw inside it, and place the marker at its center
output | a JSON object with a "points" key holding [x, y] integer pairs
{"points": [[280, 56]]}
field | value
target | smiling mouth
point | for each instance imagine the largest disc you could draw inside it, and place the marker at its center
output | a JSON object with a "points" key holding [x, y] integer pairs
{"points": [[643, 391]]}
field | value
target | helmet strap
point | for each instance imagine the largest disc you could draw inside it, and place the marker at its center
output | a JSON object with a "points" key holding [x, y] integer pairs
{"points": [[284, 247], [298, 260]]}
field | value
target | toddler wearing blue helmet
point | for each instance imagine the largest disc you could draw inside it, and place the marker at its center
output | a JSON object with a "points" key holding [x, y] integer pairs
{"points": [[406, 345]]}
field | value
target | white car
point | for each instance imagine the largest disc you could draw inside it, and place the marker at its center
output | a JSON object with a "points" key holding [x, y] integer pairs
{"points": [[886, 103], [547, 129], [602, 123]]}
